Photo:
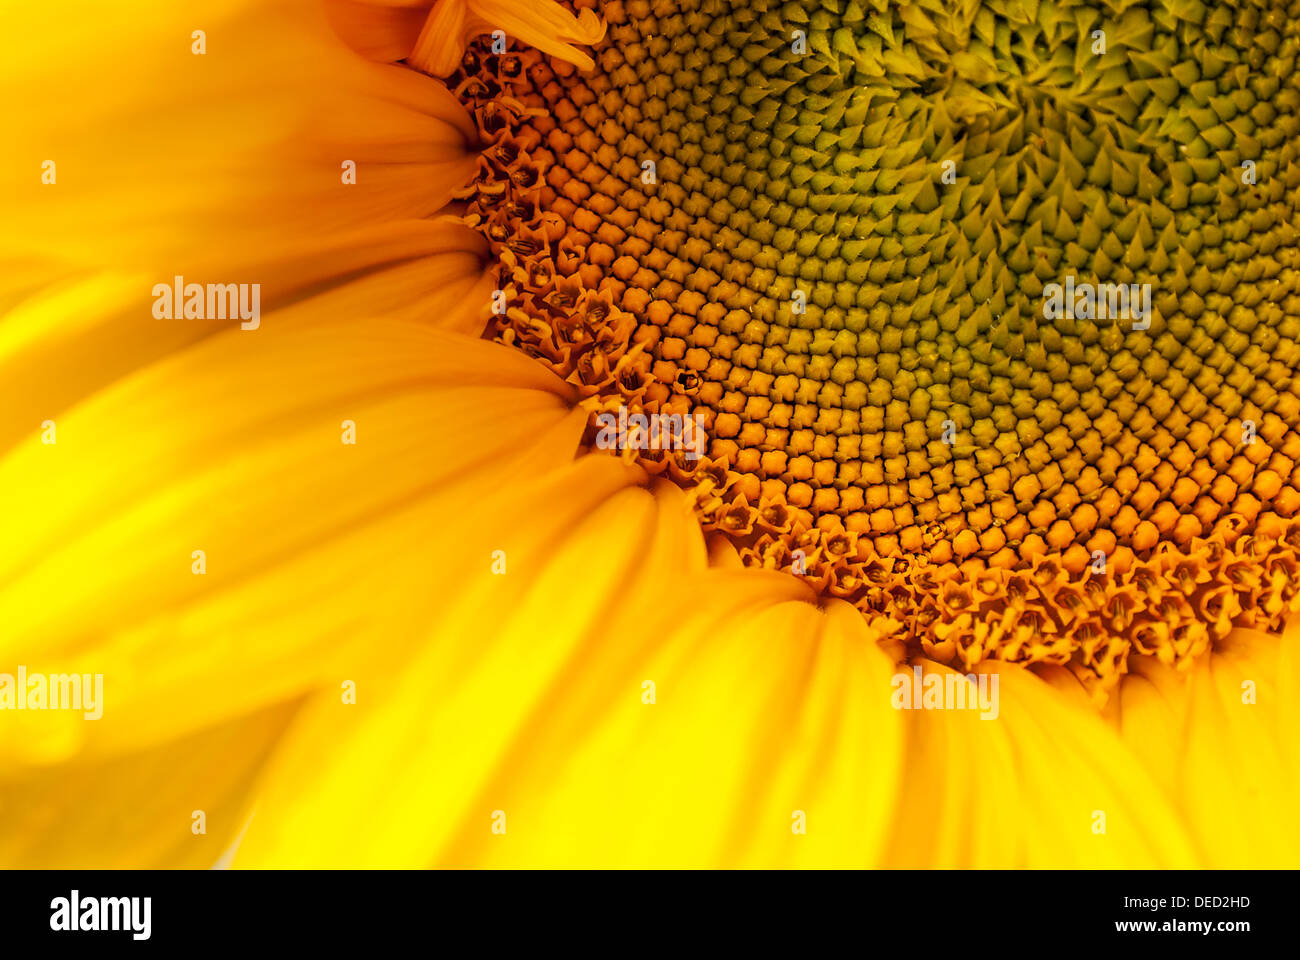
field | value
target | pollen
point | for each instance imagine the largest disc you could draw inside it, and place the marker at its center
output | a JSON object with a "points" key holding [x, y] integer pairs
{"points": [[990, 316]]}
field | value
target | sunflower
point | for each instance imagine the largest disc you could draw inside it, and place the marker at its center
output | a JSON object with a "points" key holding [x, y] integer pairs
{"points": [[363, 584]]}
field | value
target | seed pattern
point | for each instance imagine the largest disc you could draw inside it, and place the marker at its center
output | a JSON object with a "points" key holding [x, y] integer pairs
{"points": [[919, 439]]}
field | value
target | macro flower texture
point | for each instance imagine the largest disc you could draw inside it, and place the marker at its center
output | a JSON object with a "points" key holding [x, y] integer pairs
{"points": [[650, 433]]}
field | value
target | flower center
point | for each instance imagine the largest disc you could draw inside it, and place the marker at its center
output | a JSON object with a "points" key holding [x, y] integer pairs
{"points": [[957, 293]]}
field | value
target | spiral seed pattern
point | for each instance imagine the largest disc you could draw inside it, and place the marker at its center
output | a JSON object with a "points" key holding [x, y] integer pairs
{"points": [[832, 228]]}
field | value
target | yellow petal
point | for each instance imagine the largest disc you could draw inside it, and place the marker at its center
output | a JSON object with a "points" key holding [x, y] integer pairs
{"points": [[237, 450], [62, 341], [139, 810], [187, 163], [378, 29], [1034, 787], [544, 24], [537, 708], [1220, 737]]}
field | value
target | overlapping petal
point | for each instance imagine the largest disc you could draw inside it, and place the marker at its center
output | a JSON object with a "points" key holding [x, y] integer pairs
{"points": [[276, 157], [1221, 740], [432, 35]]}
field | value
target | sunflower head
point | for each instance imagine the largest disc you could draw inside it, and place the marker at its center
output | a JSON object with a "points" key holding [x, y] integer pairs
{"points": [[998, 289]]}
